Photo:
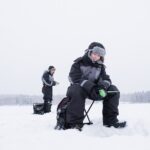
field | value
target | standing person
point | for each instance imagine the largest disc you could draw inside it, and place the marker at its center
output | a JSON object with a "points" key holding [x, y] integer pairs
{"points": [[87, 77], [47, 90]]}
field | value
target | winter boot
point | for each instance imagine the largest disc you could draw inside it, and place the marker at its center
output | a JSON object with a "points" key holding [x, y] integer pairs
{"points": [[74, 126], [117, 124]]}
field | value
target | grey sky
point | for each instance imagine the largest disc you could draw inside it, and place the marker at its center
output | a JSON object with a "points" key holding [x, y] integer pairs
{"points": [[35, 34]]}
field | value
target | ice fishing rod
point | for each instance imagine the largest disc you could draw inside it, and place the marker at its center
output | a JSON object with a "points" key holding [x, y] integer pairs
{"points": [[113, 92], [104, 93]]}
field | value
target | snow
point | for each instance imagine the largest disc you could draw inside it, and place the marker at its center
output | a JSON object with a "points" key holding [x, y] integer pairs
{"points": [[21, 130]]}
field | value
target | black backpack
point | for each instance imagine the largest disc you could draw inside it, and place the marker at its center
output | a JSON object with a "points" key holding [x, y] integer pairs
{"points": [[61, 113]]}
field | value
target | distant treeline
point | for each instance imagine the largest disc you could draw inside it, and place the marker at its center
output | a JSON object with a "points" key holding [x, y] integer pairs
{"points": [[138, 97], [25, 99]]}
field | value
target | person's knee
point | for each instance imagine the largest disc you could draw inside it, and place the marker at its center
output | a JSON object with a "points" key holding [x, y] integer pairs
{"points": [[114, 89], [75, 90]]}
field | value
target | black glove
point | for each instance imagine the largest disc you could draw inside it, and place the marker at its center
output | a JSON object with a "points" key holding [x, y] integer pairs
{"points": [[104, 85], [88, 86], [94, 94], [54, 83], [97, 93], [102, 89]]}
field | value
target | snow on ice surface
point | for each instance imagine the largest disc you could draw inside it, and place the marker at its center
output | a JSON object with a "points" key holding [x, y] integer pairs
{"points": [[21, 130]]}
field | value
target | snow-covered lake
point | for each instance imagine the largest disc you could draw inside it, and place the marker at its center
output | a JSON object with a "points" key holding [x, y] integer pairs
{"points": [[21, 130]]}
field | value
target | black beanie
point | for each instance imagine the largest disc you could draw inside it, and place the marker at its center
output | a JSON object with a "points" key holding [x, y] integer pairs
{"points": [[93, 44], [50, 67]]}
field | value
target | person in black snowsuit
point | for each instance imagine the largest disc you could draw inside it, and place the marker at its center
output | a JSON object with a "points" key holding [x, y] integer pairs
{"points": [[47, 89], [87, 76]]}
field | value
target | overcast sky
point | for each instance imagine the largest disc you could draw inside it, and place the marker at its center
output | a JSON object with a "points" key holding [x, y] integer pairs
{"points": [[37, 33]]}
